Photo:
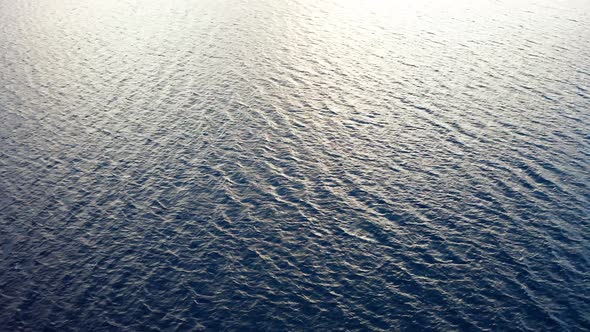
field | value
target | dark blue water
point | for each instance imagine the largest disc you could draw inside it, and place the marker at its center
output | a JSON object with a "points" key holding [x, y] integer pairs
{"points": [[294, 165]]}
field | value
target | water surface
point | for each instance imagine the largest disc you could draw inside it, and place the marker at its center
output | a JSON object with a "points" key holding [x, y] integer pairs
{"points": [[294, 165]]}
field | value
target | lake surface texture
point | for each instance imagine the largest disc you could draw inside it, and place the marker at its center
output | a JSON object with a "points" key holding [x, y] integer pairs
{"points": [[294, 165]]}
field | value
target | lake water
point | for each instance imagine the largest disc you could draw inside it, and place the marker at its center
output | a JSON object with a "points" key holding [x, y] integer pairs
{"points": [[294, 165]]}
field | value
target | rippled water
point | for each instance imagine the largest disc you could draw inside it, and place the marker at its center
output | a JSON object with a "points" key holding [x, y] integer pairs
{"points": [[294, 165]]}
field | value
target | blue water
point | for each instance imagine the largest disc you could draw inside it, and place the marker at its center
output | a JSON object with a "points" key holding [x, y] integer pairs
{"points": [[294, 165]]}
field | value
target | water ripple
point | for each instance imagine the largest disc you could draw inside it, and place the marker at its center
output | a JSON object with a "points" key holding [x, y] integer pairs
{"points": [[294, 166]]}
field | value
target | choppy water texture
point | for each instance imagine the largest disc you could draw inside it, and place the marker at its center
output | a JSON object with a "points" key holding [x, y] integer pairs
{"points": [[294, 165]]}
